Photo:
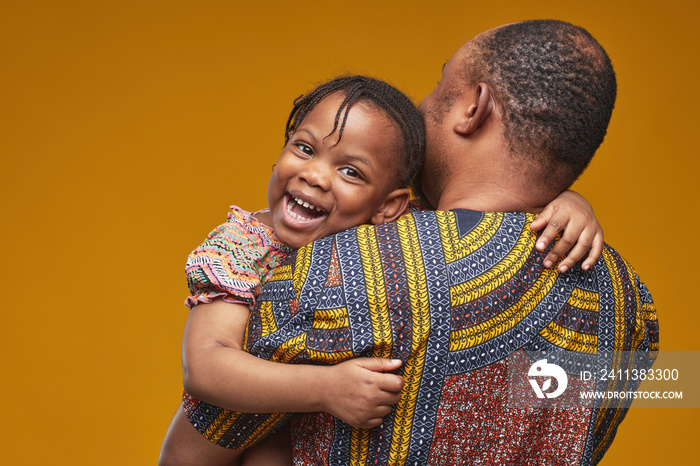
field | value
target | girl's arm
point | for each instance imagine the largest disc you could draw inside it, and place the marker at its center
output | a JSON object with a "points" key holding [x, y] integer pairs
{"points": [[572, 215], [218, 371]]}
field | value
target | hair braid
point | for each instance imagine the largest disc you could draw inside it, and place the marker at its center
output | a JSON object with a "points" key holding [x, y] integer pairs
{"points": [[380, 95]]}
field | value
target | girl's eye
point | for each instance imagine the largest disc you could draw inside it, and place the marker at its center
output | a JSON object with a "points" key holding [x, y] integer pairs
{"points": [[350, 172], [305, 149]]}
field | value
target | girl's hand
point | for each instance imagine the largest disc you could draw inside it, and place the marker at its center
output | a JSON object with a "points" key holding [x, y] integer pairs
{"points": [[572, 215], [361, 393]]}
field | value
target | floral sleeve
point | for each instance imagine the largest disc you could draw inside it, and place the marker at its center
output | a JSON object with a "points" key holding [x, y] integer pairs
{"points": [[234, 261]]}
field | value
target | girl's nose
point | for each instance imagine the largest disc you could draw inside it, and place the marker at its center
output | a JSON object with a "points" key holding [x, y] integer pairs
{"points": [[316, 174]]}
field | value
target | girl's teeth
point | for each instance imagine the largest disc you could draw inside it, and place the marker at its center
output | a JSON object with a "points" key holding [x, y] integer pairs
{"points": [[302, 203], [306, 204]]}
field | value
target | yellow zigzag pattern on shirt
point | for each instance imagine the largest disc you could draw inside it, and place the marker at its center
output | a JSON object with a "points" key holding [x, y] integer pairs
{"points": [[413, 368], [376, 292], [501, 272]]}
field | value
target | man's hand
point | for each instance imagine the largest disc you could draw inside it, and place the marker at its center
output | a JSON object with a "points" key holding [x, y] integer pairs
{"points": [[571, 214], [360, 393]]}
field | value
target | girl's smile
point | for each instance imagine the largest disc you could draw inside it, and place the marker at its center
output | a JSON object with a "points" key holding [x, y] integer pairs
{"points": [[302, 210], [324, 183]]}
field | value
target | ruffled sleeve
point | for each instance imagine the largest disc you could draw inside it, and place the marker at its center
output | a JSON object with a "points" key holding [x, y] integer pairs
{"points": [[234, 261]]}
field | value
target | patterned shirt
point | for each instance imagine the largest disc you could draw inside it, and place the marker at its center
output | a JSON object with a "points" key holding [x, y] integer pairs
{"points": [[233, 263], [463, 299]]}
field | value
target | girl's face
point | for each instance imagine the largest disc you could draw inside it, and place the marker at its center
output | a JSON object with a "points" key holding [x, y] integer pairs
{"points": [[321, 186]]}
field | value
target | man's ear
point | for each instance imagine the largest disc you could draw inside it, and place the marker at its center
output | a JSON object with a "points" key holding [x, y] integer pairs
{"points": [[393, 206], [478, 111]]}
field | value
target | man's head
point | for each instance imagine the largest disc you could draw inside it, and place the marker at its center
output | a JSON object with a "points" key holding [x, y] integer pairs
{"points": [[549, 89]]}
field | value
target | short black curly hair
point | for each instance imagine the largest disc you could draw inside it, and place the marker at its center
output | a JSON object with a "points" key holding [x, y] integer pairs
{"points": [[381, 96], [556, 87]]}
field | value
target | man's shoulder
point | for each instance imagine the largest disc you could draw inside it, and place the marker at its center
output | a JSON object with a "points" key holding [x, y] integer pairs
{"points": [[459, 223], [445, 227], [464, 217]]}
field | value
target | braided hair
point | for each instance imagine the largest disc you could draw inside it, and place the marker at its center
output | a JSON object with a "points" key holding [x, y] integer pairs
{"points": [[379, 95]]}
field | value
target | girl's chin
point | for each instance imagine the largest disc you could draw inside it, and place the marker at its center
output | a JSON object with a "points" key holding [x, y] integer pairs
{"points": [[295, 239]]}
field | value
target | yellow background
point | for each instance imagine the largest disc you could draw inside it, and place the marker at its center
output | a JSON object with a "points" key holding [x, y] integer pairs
{"points": [[128, 127]]}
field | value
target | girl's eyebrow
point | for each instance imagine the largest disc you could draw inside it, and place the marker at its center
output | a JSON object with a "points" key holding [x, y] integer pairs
{"points": [[311, 135], [363, 159], [367, 161]]}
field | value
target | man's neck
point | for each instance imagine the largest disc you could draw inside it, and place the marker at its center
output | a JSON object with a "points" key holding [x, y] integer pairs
{"points": [[489, 197]]}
